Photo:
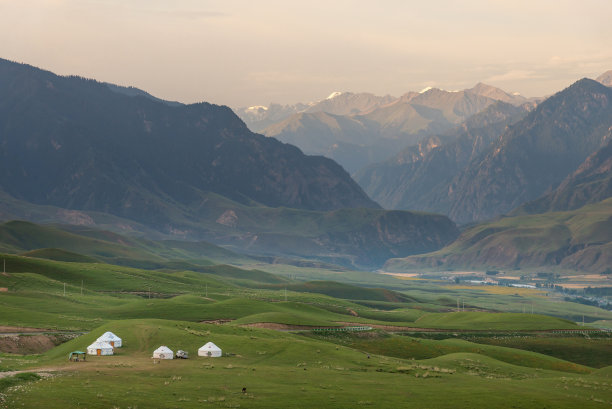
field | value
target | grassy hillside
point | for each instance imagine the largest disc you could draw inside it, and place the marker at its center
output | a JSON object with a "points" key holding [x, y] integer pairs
{"points": [[488, 321], [285, 370], [73, 243], [149, 308], [578, 240]]}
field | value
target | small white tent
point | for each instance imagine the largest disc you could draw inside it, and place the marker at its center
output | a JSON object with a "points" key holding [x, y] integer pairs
{"points": [[209, 349], [111, 338], [163, 352], [100, 348]]}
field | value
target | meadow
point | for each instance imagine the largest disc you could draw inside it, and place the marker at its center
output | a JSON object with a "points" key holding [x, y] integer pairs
{"points": [[421, 352]]}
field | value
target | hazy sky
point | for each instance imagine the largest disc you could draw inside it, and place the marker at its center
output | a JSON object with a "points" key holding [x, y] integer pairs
{"points": [[251, 52]]}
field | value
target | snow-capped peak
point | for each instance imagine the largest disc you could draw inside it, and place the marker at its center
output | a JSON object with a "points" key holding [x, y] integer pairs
{"points": [[334, 95], [257, 108], [424, 90]]}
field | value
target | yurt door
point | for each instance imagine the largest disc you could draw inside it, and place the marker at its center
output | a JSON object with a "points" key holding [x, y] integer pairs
{"points": [[209, 353], [98, 352], [112, 343]]}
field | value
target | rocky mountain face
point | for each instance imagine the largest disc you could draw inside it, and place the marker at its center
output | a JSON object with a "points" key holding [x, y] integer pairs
{"points": [[536, 154], [498, 159], [74, 143], [419, 177], [378, 128], [81, 152], [590, 183]]}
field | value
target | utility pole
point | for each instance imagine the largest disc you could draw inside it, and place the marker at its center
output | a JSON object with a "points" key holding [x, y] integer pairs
{"points": [[206, 290], [463, 305], [285, 294], [458, 309]]}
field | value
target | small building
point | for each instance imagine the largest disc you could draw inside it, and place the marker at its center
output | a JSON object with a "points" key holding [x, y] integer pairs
{"points": [[111, 338], [210, 350], [100, 348], [77, 356], [163, 352]]}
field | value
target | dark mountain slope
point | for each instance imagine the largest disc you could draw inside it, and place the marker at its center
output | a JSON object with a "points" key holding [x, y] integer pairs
{"points": [[74, 143], [419, 177], [74, 151], [590, 183], [536, 154]]}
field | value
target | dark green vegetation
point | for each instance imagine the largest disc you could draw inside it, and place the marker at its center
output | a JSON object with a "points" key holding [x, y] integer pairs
{"points": [[11, 381], [575, 240]]}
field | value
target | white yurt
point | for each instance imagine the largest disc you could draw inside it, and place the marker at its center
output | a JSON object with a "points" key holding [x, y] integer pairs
{"points": [[210, 350], [111, 338], [100, 348], [163, 352]]}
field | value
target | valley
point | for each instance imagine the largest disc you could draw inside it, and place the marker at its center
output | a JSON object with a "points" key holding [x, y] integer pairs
{"points": [[468, 261]]}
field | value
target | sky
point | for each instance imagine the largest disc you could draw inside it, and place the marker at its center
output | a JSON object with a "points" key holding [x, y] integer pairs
{"points": [[242, 53]]}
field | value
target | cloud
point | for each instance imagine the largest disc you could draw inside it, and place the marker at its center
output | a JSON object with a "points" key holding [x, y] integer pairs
{"points": [[513, 75]]}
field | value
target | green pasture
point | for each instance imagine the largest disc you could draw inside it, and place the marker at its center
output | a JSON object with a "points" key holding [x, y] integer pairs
{"points": [[286, 370]]}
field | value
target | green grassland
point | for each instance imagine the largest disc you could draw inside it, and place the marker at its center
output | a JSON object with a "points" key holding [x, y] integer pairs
{"points": [[167, 306], [287, 370], [80, 244], [579, 240], [417, 348]]}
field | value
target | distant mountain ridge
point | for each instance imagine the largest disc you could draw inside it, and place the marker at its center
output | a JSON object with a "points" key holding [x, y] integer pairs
{"points": [[260, 117], [492, 167], [365, 133], [419, 177]]}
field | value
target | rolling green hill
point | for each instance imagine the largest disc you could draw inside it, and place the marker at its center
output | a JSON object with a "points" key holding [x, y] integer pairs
{"points": [[285, 370], [577, 240]]}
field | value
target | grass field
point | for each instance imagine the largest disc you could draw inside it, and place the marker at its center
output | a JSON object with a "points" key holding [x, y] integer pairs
{"points": [[286, 370], [149, 308]]}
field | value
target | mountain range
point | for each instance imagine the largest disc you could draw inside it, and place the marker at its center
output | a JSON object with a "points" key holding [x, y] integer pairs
{"points": [[499, 159], [359, 129], [91, 151]]}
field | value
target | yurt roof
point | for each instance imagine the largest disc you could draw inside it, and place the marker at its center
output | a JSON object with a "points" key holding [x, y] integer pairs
{"points": [[100, 344], [163, 348], [210, 346], [109, 335]]}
